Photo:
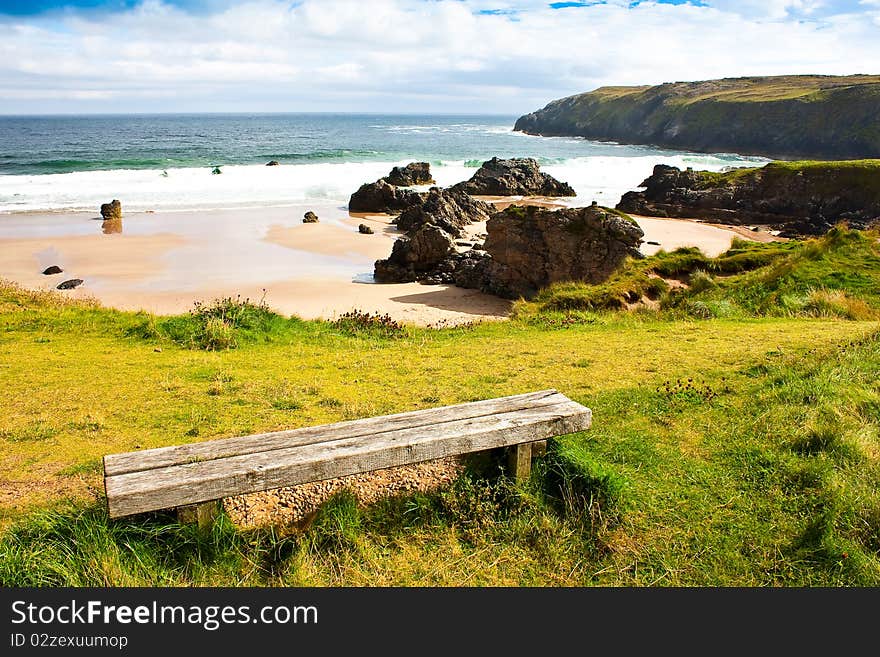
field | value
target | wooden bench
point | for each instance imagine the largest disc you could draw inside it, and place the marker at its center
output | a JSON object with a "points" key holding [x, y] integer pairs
{"points": [[193, 477]]}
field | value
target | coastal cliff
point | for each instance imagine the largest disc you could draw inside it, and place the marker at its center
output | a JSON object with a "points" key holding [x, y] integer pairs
{"points": [[784, 117], [798, 198]]}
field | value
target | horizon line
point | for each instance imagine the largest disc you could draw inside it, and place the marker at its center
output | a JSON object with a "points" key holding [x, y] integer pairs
{"points": [[246, 113]]}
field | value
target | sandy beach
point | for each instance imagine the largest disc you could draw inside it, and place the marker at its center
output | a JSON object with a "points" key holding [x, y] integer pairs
{"points": [[162, 262]]}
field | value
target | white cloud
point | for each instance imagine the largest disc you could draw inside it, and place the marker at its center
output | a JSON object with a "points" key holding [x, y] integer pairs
{"points": [[406, 55]]}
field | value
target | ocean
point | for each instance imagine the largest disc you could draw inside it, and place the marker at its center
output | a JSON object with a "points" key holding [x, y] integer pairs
{"points": [[165, 162]]}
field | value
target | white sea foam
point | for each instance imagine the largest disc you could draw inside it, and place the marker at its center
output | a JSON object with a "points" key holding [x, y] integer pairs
{"points": [[600, 178]]}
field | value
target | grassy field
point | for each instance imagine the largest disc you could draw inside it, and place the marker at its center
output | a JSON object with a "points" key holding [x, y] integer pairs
{"points": [[738, 448]]}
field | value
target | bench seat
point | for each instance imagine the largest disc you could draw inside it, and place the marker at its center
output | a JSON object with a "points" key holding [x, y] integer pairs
{"points": [[172, 477]]}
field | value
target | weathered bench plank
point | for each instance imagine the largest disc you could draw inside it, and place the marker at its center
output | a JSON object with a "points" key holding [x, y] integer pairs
{"points": [[306, 455], [149, 459]]}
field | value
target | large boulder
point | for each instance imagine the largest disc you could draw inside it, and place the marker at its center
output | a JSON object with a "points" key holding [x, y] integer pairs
{"points": [[382, 197], [531, 247], [449, 209], [796, 198], [111, 211], [414, 173], [513, 177], [413, 257]]}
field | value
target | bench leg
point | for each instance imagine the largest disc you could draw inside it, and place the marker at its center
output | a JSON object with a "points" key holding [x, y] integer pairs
{"points": [[202, 514], [519, 461], [519, 458]]}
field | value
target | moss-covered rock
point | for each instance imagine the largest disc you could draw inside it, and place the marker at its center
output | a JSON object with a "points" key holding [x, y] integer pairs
{"points": [[799, 198]]}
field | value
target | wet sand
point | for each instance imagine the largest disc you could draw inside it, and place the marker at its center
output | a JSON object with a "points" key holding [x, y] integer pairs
{"points": [[164, 262]]}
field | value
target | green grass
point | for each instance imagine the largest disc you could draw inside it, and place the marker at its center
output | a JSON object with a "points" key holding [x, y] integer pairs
{"points": [[764, 89], [858, 177], [837, 275], [741, 449]]}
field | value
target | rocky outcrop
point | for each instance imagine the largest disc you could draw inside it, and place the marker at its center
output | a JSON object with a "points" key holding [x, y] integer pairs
{"points": [[69, 284], [414, 173], [513, 177], [111, 211], [310, 218], [272, 163], [797, 198], [363, 229], [449, 209], [807, 116], [528, 248], [51, 271], [414, 257], [382, 197], [432, 226]]}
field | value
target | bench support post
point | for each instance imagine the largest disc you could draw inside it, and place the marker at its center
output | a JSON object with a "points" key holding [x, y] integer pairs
{"points": [[202, 514], [519, 462], [519, 459]]}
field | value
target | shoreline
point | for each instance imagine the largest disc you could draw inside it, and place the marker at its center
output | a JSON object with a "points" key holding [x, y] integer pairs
{"points": [[163, 262]]}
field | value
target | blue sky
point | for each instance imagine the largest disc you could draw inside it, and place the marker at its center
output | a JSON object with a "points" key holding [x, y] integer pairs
{"points": [[508, 56]]}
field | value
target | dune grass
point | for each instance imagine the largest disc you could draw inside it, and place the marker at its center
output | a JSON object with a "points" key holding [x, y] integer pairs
{"points": [[738, 450], [837, 275]]}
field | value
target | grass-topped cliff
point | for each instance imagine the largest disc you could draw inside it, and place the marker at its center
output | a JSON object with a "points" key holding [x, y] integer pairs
{"points": [[822, 117], [736, 436]]}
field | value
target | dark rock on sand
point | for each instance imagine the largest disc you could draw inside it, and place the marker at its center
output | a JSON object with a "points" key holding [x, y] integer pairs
{"points": [[112, 210], [54, 269], [382, 197], [272, 163], [414, 257], [310, 218], [414, 173], [797, 198], [363, 229], [529, 248], [449, 209], [513, 177], [70, 284]]}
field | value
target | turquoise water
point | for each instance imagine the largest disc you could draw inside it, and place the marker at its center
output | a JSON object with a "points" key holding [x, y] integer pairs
{"points": [[165, 161]]}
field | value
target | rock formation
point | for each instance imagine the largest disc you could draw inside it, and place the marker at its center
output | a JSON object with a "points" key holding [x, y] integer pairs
{"points": [[363, 229], [414, 173], [70, 284], [111, 211], [272, 163], [382, 197], [527, 248], [797, 198], [808, 116], [530, 247], [54, 269], [449, 209], [513, 177], [431, 225], [310, 218], [414, 257]]}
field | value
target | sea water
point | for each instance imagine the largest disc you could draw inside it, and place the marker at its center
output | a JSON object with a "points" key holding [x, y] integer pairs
{"points": [[167, 162]]}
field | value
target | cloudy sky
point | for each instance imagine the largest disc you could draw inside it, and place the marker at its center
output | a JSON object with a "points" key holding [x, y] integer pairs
{"points": [[469, 56]]}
